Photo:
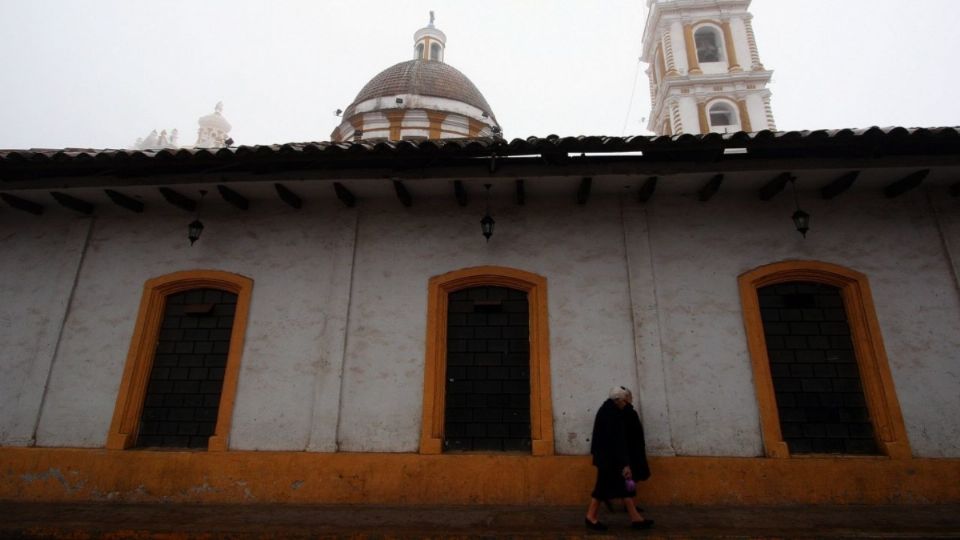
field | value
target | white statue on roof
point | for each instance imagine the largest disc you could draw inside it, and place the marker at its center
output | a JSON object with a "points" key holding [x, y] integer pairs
{"points": [[155, 141], [214, 130]]}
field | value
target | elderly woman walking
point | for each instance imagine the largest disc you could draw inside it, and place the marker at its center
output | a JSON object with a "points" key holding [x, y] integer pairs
{"points": [[611, 457]]}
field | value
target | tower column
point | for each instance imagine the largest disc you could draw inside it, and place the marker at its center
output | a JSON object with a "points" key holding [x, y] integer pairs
{"points": [[771, 125], [661, 63], [692, 61], [745, 124], [396, 123], [731, 48], [702, 112], [675, 118], [755, 64], [436, 123], [667, 46], [357, 123]]}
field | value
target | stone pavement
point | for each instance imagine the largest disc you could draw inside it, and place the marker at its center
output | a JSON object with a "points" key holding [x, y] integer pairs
{"points": [[116, 521]]}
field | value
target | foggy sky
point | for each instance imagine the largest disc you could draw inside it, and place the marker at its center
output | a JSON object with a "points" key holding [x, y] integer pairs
{"points": [[100, 74]]}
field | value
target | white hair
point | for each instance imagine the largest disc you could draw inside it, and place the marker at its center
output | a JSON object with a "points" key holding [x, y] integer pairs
{"points": [[620, 392]]}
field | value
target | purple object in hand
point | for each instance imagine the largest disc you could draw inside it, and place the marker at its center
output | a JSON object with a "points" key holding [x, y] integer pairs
{"points": [[631, 485]]}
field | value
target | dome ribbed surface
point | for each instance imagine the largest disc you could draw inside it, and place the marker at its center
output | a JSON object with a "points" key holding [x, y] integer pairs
{"points": [[425, 78]]}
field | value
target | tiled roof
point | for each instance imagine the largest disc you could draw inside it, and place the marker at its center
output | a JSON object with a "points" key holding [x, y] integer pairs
{"points": [[765, 145], [425, 78]]}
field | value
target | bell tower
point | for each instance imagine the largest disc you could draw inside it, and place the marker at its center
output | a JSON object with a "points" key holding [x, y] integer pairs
{"points": [[704, 68]]}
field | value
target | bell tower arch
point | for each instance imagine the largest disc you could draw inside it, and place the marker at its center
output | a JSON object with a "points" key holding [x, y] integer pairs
{"points": [[704, 68]]}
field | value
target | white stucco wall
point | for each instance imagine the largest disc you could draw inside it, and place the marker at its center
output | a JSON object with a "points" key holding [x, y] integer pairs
{"points": [[689, 114], [578, 250], [679, 46], [40, 257], [648, 298], [757, 112], [698, 250], [291, 351]]}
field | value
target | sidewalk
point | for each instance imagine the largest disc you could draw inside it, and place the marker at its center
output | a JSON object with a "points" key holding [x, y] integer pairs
{"points": [[177, 521]]}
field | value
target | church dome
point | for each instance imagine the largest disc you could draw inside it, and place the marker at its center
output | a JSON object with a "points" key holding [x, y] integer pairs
{"points": [[423, 78], [420, 99]]}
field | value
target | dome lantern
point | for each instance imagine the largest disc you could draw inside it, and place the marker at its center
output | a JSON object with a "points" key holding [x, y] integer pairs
{"points": [[429, 43]]}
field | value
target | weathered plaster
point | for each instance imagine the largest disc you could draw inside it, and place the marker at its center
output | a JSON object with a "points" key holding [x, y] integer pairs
{"points": [[41, 257], [699, 250], [71, 474], [652, 391], [289, 255], [647, 298], [580, 252]]}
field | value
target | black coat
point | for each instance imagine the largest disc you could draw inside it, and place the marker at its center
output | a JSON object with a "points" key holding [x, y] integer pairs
{"points": [[636, 446], [609, 442]]}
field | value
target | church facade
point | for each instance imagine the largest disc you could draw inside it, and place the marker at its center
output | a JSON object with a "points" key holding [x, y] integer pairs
{"points": [[411, 315]]}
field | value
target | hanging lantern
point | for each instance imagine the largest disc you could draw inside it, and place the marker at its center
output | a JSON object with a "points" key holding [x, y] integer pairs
{"points": [[801, 219], [194, 230], [486, 224]]}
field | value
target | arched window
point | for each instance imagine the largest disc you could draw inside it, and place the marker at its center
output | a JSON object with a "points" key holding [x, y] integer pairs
{"points": [[487, 372], [723, 118], [708, 42], [820, 370], [180, 379], [435, 52], [419, 51]]}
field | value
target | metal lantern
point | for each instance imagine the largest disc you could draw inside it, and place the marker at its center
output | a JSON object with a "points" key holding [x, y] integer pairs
{"points": [[801, 220], [194, 230], [486, 224]]}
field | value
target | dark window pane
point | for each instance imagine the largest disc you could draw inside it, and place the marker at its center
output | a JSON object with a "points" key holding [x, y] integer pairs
{"points": [[186, 380], [487, 404], [815, 376]]}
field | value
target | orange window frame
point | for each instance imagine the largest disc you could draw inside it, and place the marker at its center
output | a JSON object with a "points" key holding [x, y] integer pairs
{"points": [[434, 391], [875, 376], [125, 424]]}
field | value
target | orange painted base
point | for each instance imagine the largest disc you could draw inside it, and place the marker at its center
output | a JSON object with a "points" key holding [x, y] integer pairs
{"points": [[56, 474]]}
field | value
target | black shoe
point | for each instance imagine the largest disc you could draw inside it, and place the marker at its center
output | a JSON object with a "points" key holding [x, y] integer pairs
{"points": [[645, 524], [594, 526]]}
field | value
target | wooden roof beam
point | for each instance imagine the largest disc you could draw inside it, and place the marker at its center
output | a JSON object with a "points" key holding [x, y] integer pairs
{"points": [[288, 196], [124, 201], [772, 188], [905, 184], [344, 194], [233, 197], [73, 203], [178, 199], [710, 188], [22, 204], [583, 192], [647, 190], [839, 185], [402, 193], [460, 192]]}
